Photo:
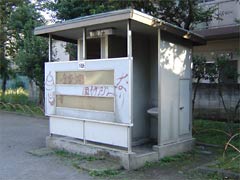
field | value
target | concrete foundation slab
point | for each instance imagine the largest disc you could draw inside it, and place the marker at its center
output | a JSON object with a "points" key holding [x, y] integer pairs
{"points": [[174, 148], [127, 160]]}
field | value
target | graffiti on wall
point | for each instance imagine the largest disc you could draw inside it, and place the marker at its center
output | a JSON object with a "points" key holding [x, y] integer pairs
{"points": [[71, 78], [120, 87], [104, 91], [98, 91], [49, 83]]}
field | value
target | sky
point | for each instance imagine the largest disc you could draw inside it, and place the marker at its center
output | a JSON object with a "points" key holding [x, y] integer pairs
{"points": [[47, 14]]}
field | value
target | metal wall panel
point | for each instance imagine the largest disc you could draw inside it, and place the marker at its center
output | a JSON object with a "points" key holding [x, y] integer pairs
{"points": [[66, 127], [86, 102], [85, 77]]}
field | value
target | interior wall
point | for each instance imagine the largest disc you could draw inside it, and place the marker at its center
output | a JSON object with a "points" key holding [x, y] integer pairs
{"points": [[153, 72], [117, 46], [153, 101], [141, 86]]}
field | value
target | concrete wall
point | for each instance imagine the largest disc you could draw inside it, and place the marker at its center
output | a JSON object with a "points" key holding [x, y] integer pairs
{"points": [[141, 86], [208, 104], [117, 46], [175, 61]]}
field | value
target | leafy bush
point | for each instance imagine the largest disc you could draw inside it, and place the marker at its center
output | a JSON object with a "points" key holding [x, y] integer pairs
{"points": [[16, 96]]}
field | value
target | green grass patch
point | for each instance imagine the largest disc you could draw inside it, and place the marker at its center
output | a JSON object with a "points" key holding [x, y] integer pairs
{"points": [[179, 158], [230, 162], [76, 157], [15, 96], [104, 173], [214, 132], [16, 100]]}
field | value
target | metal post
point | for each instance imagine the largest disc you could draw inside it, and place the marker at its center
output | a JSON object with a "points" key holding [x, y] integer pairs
{"points": [[78, 49], [104, 47], [84, 44], [129, 39], [50, 48], [159, 87]]}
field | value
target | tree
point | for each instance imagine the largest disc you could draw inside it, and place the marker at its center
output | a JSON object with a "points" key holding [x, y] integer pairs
{"points": [[7, 7], [31, 51], [201, 71], [183, 13], [227, 74]]}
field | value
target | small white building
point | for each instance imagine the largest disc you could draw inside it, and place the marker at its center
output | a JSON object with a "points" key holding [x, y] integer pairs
{"points": [[129, 91]]}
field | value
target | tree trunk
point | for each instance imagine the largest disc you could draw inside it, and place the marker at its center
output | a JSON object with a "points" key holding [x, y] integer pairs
{"points": [[195, 93], [4, 83], [41, 97]]}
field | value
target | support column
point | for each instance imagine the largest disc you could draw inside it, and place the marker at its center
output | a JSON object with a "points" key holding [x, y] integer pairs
{"points": [[129, 54], [50, 48], [78, 49], [159, 88], [104, 47], [129, 39], [84, 44]]}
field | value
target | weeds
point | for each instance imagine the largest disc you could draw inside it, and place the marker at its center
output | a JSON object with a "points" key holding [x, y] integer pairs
{"points": [[213, 132], [172, 159], [104, 173], [76, 157], [17, 100]]}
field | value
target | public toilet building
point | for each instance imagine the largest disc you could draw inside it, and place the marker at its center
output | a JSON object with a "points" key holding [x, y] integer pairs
{"points": [[128, 93]]}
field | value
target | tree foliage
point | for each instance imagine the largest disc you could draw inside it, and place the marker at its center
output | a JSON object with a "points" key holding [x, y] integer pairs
{"points": [[6, 9], [31, 51], [183, 13], [201, 71]]}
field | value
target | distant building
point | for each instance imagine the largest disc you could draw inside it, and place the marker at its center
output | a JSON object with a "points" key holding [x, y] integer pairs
{"points": [[222, 35], [59, 51]]}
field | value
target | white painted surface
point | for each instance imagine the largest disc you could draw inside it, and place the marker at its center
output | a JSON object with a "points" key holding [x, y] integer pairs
{"points": [[105, 133], [59, 52], [78, 90], [66, 127], [122, 83], [86, 114], [175, 61], [184, 106], [50, 96]]}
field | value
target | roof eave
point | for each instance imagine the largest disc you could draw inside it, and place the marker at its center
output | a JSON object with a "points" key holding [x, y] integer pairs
{"points": [[119, 15]]}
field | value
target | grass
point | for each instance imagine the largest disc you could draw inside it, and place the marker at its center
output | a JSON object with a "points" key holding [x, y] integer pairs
{"points": [[15, 96], [229, 162], [213, 132], [169, 160], [76, 157], [104, 173], [17, 100]]}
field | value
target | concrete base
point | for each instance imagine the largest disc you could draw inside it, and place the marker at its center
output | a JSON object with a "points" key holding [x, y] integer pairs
{"points": [[127, 160], [174, 148]]}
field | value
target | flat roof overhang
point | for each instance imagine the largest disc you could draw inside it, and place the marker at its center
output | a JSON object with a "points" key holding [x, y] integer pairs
{"points": [[70, 30], [220, 32]]}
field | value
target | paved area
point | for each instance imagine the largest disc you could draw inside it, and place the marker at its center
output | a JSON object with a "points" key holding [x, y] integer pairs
{"points": [[20, 134]]}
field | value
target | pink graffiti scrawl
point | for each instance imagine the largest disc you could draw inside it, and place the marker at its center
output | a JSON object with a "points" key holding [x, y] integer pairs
{"points": [[120, 86], [49, 81], [51, 99]]}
